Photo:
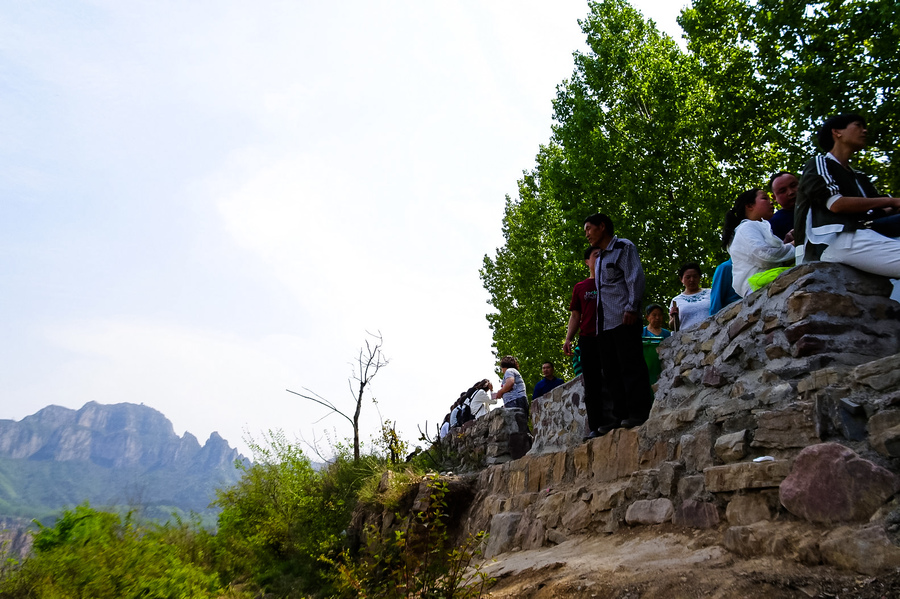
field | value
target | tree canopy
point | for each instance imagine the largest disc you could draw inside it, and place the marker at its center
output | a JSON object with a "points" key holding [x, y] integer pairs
{"points": [[663, 139]]}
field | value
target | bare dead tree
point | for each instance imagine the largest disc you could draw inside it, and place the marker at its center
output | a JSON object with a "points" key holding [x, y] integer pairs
{"points": [[368, 363]]}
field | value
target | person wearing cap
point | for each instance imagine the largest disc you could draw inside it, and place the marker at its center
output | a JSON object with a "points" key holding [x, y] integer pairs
{"points": [[654, 328], [840, 216]]}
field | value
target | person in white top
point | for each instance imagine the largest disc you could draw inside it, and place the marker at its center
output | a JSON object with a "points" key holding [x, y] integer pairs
{"points": [[691, 305], [748, 238]]}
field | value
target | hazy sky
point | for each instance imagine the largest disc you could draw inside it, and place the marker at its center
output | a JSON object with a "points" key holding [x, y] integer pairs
{"points": [[203, 203]]}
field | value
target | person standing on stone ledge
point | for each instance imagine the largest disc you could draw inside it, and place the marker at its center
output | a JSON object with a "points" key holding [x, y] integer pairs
{"points": [[583, 320], [548, 383], [840, 215], [620, 290]]}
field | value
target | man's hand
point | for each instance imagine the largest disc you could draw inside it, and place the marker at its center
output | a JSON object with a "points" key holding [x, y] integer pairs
{"points": [[789, 238], [567, 348], [630, 318]]}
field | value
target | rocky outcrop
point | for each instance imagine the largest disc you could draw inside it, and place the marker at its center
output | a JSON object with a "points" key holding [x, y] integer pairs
{"points": [[109, 455], [111, 436], [797, 384]]}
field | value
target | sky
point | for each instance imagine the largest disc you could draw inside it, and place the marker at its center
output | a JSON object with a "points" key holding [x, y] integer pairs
{"points": [[205, 203]]}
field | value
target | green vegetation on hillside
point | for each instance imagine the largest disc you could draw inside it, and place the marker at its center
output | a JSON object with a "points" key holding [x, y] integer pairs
{"points": [[281, 532]]}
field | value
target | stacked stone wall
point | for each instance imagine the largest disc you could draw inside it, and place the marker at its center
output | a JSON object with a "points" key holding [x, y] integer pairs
{"points": [[800, 377]]}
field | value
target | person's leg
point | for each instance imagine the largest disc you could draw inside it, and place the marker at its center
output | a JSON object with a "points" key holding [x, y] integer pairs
{"points": [[615, 395], [866, 250], [637, 396], [599, 414]]}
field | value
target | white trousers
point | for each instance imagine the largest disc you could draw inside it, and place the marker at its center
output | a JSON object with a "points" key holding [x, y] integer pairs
{"points": [[868, 251]]}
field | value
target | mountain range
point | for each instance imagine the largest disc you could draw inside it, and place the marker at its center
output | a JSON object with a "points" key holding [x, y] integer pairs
{"points": [[120, 456]]}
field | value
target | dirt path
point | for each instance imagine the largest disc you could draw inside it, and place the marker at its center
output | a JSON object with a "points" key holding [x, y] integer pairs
{"points": [[668, 563]]}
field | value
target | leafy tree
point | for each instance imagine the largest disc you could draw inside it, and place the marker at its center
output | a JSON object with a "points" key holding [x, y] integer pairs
{"points": [[778, 68], [98, 555], [282, 515], [662, 140], [630, 140]]}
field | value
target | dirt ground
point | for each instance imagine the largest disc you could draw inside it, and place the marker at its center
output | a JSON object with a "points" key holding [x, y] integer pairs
{"points": [[664, 562]]}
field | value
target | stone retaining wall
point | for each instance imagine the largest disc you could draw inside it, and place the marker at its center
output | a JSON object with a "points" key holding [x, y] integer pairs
{"points": [[499, 436], [801, 377]]}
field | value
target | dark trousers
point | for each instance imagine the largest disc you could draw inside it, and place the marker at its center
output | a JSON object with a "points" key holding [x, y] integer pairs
{"points": [[597, 402], [625, 371]]}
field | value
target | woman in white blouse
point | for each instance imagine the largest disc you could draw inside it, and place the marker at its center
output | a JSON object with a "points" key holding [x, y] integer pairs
{"points": [[748, 238]]}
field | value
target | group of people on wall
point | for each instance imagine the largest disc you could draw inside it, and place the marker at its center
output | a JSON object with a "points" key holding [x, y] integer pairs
{"points": [[479, 399], [831, 213]]}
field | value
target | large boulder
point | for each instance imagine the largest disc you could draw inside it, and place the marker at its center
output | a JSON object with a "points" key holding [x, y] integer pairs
{"points": [[831, 483]]}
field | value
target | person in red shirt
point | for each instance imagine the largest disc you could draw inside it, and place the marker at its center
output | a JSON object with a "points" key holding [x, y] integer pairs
{"points": [[583, 320]]}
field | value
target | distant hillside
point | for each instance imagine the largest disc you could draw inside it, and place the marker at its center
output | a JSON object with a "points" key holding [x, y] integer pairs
{"points": [[122, 455]]}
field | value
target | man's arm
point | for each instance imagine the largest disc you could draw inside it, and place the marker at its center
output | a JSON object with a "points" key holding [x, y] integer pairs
{"points": [[857, 204], [634, 279], [574, 321]]}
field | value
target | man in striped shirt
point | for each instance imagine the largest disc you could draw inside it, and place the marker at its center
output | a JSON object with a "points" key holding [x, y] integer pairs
{"points": [[840, 216], [620, 283]]}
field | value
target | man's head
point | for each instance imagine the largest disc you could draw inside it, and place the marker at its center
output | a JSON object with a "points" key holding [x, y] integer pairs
{"points": [[851, 128], [547, 370], [590, 258], [598, 227], [784, 188]]}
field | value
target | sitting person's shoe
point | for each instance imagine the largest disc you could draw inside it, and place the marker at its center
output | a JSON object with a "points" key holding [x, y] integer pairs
{"points": [[633, 422]]}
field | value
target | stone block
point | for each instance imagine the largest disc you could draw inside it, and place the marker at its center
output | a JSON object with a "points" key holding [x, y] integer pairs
{"points": [[550, 509], [745, 475], [669, 473], [696, 514], [732, 447], [696, 450], [577, 517], [802, 304], [866, 550], [581, 460], [794, 426], [608, 495], [516, 482], [649, 511], [884, 433], [654, 456], [747, 509], [819, 380], [831, 483], [502, 536], [879, 375], [786, 279], [692, 487], [555, 536], [531, 533]]}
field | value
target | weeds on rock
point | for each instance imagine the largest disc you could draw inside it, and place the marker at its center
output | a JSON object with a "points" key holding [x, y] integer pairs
{"points": [[418, 561]]}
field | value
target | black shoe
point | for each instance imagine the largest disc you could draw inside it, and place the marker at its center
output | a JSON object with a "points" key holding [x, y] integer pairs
{"points": [[607, 428], [591, 435], [633, 422]]}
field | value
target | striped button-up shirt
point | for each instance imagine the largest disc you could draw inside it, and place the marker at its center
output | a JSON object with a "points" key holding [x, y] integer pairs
{"points": [[621, 282]]}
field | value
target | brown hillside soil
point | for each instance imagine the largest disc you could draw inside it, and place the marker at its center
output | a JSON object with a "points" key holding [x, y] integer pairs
{"points": [[665, 562]]}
